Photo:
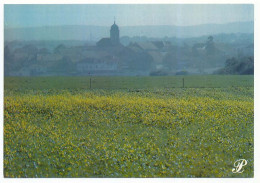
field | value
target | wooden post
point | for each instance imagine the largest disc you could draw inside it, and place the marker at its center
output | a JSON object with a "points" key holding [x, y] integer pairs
{"points": [[90, 83], [182, 82]]}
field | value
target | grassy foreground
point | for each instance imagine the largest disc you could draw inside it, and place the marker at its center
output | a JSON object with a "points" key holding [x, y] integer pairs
{"points": [[176, 132]]}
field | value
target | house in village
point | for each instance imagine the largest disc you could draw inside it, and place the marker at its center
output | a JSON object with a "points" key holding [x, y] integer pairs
{"points": [[97, 62], [156, 49]]}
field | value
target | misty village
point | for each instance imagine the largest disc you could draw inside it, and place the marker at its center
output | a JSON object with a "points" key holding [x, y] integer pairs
{"points": [[221, 53]]}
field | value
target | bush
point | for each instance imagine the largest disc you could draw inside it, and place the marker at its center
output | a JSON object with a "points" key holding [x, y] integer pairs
{"points": [[158, 73], [182, 73]]}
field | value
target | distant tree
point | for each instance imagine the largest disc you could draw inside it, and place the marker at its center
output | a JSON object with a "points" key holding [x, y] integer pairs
{"points": [[247, 66], [210, 38], [210, 46], [240, 66], [231, 62]]}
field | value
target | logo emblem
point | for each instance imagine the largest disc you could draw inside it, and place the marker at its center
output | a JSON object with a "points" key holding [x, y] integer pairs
{"points": [[239, 164]]}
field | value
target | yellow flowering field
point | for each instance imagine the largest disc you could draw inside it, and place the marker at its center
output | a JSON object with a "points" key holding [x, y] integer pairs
{"points": [[181, 132]]}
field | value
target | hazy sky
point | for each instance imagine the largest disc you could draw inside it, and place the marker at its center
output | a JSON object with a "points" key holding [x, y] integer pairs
{"points": [[126, 15]]}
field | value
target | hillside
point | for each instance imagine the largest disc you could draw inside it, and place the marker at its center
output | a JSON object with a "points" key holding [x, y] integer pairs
{"points": [[94, 33]]}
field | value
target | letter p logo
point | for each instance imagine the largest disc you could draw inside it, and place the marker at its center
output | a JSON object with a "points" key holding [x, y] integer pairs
{"points": [[239, 165]]}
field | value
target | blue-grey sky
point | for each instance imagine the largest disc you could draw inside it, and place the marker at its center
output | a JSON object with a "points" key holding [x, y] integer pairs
{"points": [[126, 15]]}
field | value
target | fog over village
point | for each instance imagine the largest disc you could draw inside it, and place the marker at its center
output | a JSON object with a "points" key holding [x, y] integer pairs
{"points": [[112, 49]]}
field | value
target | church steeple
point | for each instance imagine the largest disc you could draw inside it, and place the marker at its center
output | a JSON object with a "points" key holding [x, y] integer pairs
{"points": [[114, 33]]}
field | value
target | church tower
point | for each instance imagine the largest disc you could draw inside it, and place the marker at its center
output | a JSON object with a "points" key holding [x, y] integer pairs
{"points": [[114, 34]]}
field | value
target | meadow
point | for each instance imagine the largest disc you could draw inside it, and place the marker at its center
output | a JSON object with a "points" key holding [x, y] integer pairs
{"points": [[128, 126]]}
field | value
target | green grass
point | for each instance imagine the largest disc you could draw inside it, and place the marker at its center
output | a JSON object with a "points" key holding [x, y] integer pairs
{"points": [[208, 81], [128, 126]]}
